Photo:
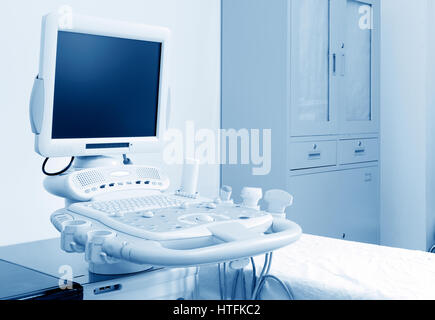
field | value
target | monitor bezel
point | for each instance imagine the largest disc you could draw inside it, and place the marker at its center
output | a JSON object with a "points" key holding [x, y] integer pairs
{"points": [[52, 24]]}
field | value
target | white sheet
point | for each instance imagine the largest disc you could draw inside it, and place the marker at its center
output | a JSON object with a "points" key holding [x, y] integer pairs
{"points": [[323, 268]]}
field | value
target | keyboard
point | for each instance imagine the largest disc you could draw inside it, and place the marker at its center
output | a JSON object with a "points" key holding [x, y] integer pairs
{"points": [[120, 207], [163, 217]]}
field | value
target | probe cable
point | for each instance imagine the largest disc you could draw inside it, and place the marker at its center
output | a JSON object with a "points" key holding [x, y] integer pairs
{"points": [[220, 282], [53, 174], [280, 282], [263, 272], [264, 276]]}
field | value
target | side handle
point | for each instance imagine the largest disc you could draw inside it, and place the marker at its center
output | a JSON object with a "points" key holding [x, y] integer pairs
{"points": [[37, 105]]}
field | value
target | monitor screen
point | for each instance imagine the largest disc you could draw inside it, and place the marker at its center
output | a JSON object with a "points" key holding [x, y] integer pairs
{"points": [[105, 87]]}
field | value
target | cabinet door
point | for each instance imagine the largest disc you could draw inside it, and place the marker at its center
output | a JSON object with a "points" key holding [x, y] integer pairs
{"points": [[360, 205], [313, 67], [337, 204], [359, 66]]}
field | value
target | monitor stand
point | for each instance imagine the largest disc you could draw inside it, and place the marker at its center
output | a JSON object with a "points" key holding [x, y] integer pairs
{"points": [[89, 162]]}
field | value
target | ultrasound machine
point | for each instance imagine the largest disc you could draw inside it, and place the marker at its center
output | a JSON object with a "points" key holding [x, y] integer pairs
{"points": [[101, 94]]}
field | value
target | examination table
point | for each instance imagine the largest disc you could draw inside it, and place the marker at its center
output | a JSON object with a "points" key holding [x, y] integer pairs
{"points": [[324, 269]]}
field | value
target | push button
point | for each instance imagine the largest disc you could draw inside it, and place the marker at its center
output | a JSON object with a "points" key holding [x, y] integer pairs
{"points": [[147, 214], [205, 218]]}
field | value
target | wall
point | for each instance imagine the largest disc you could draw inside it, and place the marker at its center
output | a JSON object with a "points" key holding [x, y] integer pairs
{"points": [[430, 78], [407, 170], [25, 207]]}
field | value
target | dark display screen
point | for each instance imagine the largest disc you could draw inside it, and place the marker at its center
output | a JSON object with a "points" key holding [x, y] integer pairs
{"points": [[105, 87]]}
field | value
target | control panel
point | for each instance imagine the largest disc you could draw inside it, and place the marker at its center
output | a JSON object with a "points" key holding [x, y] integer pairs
{"points": [[175, 221]]}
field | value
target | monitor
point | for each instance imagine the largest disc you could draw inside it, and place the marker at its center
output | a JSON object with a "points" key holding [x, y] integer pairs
{"points": [[101, 89]]}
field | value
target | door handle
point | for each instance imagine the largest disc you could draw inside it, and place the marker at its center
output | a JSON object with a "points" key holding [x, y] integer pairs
{"points": [[334, 64], [343, 65]]}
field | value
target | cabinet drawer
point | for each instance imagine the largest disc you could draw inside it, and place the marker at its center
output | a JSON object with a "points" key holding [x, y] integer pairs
{"points": [[357, 151], [307, 155]]}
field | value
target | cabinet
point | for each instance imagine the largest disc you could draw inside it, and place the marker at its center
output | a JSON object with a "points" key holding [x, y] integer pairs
{"points": [[309, 71], [334, 67]]}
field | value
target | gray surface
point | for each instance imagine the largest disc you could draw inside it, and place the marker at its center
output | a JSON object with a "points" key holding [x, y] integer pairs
{"points": [[19, 282], [46, 256]]}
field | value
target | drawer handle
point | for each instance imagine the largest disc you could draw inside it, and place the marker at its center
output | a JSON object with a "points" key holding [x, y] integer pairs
{"points": [[314, 155], [360, 151], [334, 64]]}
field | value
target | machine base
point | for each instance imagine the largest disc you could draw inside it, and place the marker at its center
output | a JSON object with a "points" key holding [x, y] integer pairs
{"points": [[117, 268]]}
